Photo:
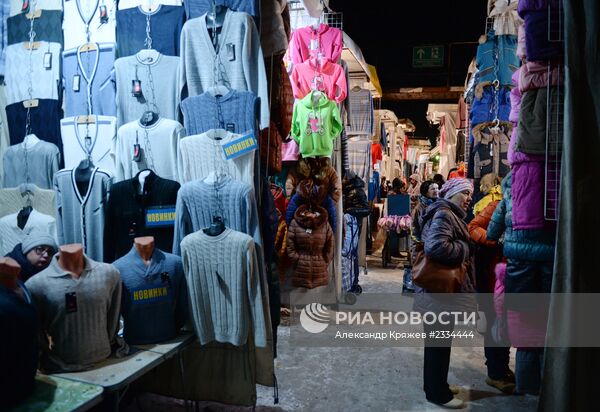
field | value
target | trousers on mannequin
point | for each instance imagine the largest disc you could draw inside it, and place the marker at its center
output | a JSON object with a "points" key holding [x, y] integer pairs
{"points": [[145, 248], [71, 259]]}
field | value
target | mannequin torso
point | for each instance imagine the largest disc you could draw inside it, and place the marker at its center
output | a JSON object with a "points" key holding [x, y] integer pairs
{"points": [[83, 174], [145, 248], [70, 259]]}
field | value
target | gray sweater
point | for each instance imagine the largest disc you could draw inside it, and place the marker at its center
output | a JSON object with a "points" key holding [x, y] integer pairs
{"points": [[225, 288], [42, 163], [83, 336], [80, 217], [238, 62]]}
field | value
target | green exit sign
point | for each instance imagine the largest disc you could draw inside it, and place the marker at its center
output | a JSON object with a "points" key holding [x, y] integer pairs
{"points": [[428, 56]]}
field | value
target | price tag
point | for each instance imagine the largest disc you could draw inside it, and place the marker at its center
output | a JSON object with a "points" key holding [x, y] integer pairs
{"points": [[103, 15], [25, 6], [137, 153], [240, 146], [76, 83], [314, 44], [47, 60], [230, 51], [136, 88]]}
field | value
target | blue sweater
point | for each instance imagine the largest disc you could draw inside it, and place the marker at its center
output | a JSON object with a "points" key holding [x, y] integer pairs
{"points": [[154, 300]]}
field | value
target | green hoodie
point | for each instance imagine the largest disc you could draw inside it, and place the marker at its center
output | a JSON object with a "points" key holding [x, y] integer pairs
{"points": [[315, 127]]}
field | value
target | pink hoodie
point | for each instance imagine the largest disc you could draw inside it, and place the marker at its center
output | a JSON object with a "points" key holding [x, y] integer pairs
{"points": [[327, 77], [307, 42]]}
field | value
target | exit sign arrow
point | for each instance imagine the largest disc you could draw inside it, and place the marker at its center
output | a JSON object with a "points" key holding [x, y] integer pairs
{"points": [[425, 56], [420, 53]]}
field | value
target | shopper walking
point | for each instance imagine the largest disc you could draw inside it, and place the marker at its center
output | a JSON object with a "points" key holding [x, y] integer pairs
{"points": [[445, 240]]}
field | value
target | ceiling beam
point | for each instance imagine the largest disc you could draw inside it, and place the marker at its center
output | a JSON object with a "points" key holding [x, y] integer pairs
{"points": [[423, 93]]}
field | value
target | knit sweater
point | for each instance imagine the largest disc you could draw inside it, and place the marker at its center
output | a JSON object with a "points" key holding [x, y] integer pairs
{"points": [[239, 59], [42, 163], [225, 288], [81, 216], [164, 71], [84, 336], [47, 27], [159, 149], [199, 155], [45, 80], [237, 112], [11, 201], [44, 120], [128, 4], [153, 295], [11, 234], [79, 12], [126, 216], [196, 8], [165, 28], [197, 204]]}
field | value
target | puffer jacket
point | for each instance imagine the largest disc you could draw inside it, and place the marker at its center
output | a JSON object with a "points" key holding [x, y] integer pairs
{"points": [[355, 198], [532, 119], [497, 52], [495, 194], [478, 226], [535, 15], [491, 150], [531, 245], [328, 177], [309, 193], [422, 205], [481, 108], [295, 175], [310, 247], [534, 75], [521, 47], [515, 98]]}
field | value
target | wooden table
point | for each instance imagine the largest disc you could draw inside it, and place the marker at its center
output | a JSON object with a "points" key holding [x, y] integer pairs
{"points": [[54, 394]]}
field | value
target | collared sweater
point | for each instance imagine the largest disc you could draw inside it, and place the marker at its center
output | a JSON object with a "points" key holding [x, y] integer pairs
{"points": [[237, 62], [42, 163], [224, 287], [155, 302], [84, 336], [80, 216]]}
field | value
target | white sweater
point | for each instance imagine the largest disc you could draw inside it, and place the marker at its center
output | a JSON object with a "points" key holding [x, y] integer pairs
{"points": [[11, 234], [224, 287], [239, 58]]}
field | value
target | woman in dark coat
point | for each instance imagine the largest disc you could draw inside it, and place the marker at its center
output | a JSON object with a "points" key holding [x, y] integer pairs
{"points": [[445, 240]]}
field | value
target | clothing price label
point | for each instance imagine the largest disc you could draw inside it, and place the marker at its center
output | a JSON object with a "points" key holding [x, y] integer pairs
{"points": [[71, 302], [314, 44], [240, 146], [230, 51], [136, 88], [25, 6], [230, 127], [160, 216], [76, 83], [137, 153], [47, 60], [103, 15]]}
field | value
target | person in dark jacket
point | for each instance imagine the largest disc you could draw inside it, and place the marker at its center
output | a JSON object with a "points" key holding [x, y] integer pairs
{"points": [[445, 240], [34, 253]]}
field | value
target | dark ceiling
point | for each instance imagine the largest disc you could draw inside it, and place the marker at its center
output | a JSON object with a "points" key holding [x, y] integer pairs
{"points": [[386, 31]]}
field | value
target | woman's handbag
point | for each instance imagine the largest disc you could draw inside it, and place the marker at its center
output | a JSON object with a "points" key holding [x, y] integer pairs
{"points": [[436, 277]]}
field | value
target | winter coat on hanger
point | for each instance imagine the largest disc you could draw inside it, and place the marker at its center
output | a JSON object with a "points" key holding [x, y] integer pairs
{"points": [[491, 149], [310, 247], [533, 118], [506, 18], [355, 200], [481, 108], [490, 68], [541, 46], [529, 245], [308, 192], [326, 175]]}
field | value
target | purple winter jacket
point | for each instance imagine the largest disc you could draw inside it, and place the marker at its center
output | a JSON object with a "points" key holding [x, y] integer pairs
{"points": [[535, 15]]}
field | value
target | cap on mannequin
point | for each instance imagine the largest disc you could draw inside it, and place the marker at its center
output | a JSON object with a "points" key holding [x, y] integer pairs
{"points": [[145, 247], [71, 259], [9, 272]]}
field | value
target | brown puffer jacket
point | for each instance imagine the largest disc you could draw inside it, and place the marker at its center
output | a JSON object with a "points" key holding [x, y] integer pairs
{"points": [[328, 177], [323, 173], [310, 247]]}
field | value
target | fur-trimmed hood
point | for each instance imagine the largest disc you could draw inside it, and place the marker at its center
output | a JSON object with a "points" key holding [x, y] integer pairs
{"points": [[311, 193], [311, 218]]}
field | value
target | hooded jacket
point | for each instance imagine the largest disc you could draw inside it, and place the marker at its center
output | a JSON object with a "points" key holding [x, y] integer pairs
{"points": [[310, 193], [505, 46], [534, 75], [541, 46], [528, 245], [495, 194], [478, 226], [355, 198], [310, 247], [491, 149]]}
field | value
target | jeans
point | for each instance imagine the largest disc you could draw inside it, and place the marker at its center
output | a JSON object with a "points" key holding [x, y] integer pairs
{"points": [[436, 362], [528, 371]]}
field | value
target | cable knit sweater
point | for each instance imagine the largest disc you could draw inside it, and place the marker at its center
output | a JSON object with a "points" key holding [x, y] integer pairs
{"points": [[238, 59], [224, 287], [11, 201]]}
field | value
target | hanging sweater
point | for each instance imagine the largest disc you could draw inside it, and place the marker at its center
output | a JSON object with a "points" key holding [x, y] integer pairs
{"points": [[78, 13], [45, 81], [47, 27], [11, 234], [126, 216], [197, 204], [237, 112], [196, 8], [45, 121], [42, 163], [224, 286], [327, 77], [164, 71], [307, 42], [360, 113], [103, 136], [315, 126], [239, 59], [87, 79], [42, 200], [81, 216], [153, 295], [84, 336], [16, 6], [199, 155], [158, 151], [128, 4]]}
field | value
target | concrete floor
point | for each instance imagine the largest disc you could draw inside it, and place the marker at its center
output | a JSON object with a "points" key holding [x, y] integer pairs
{"points": [[365, 379]]}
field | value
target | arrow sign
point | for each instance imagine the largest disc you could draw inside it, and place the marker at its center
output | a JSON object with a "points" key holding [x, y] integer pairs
{"points": [[420, 53], [428, 56]]}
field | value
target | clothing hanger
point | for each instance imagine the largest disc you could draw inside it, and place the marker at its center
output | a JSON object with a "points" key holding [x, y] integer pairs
{"points": [[217, 134], [91, 119], [218, 90], [27, 190], [87, 47], [216, 227]]}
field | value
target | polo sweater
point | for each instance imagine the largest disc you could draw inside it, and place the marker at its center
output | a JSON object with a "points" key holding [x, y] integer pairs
{"points": [[42, 163], [18, 346], [238, 61], [80, 217], [314, 127], [16, 6], [83, 335], [158, 150], [88, 81], [200, 155], [102, 137], [197, 204], [236, 111], [126, 214], [196, 8], [11, 234], [11, 201], [225, 288], [307, 42], [165, 74], [45, 82], [154, 302], [80, 14], [165, 29], [327, 77], [47, 27], [44, 120]]}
